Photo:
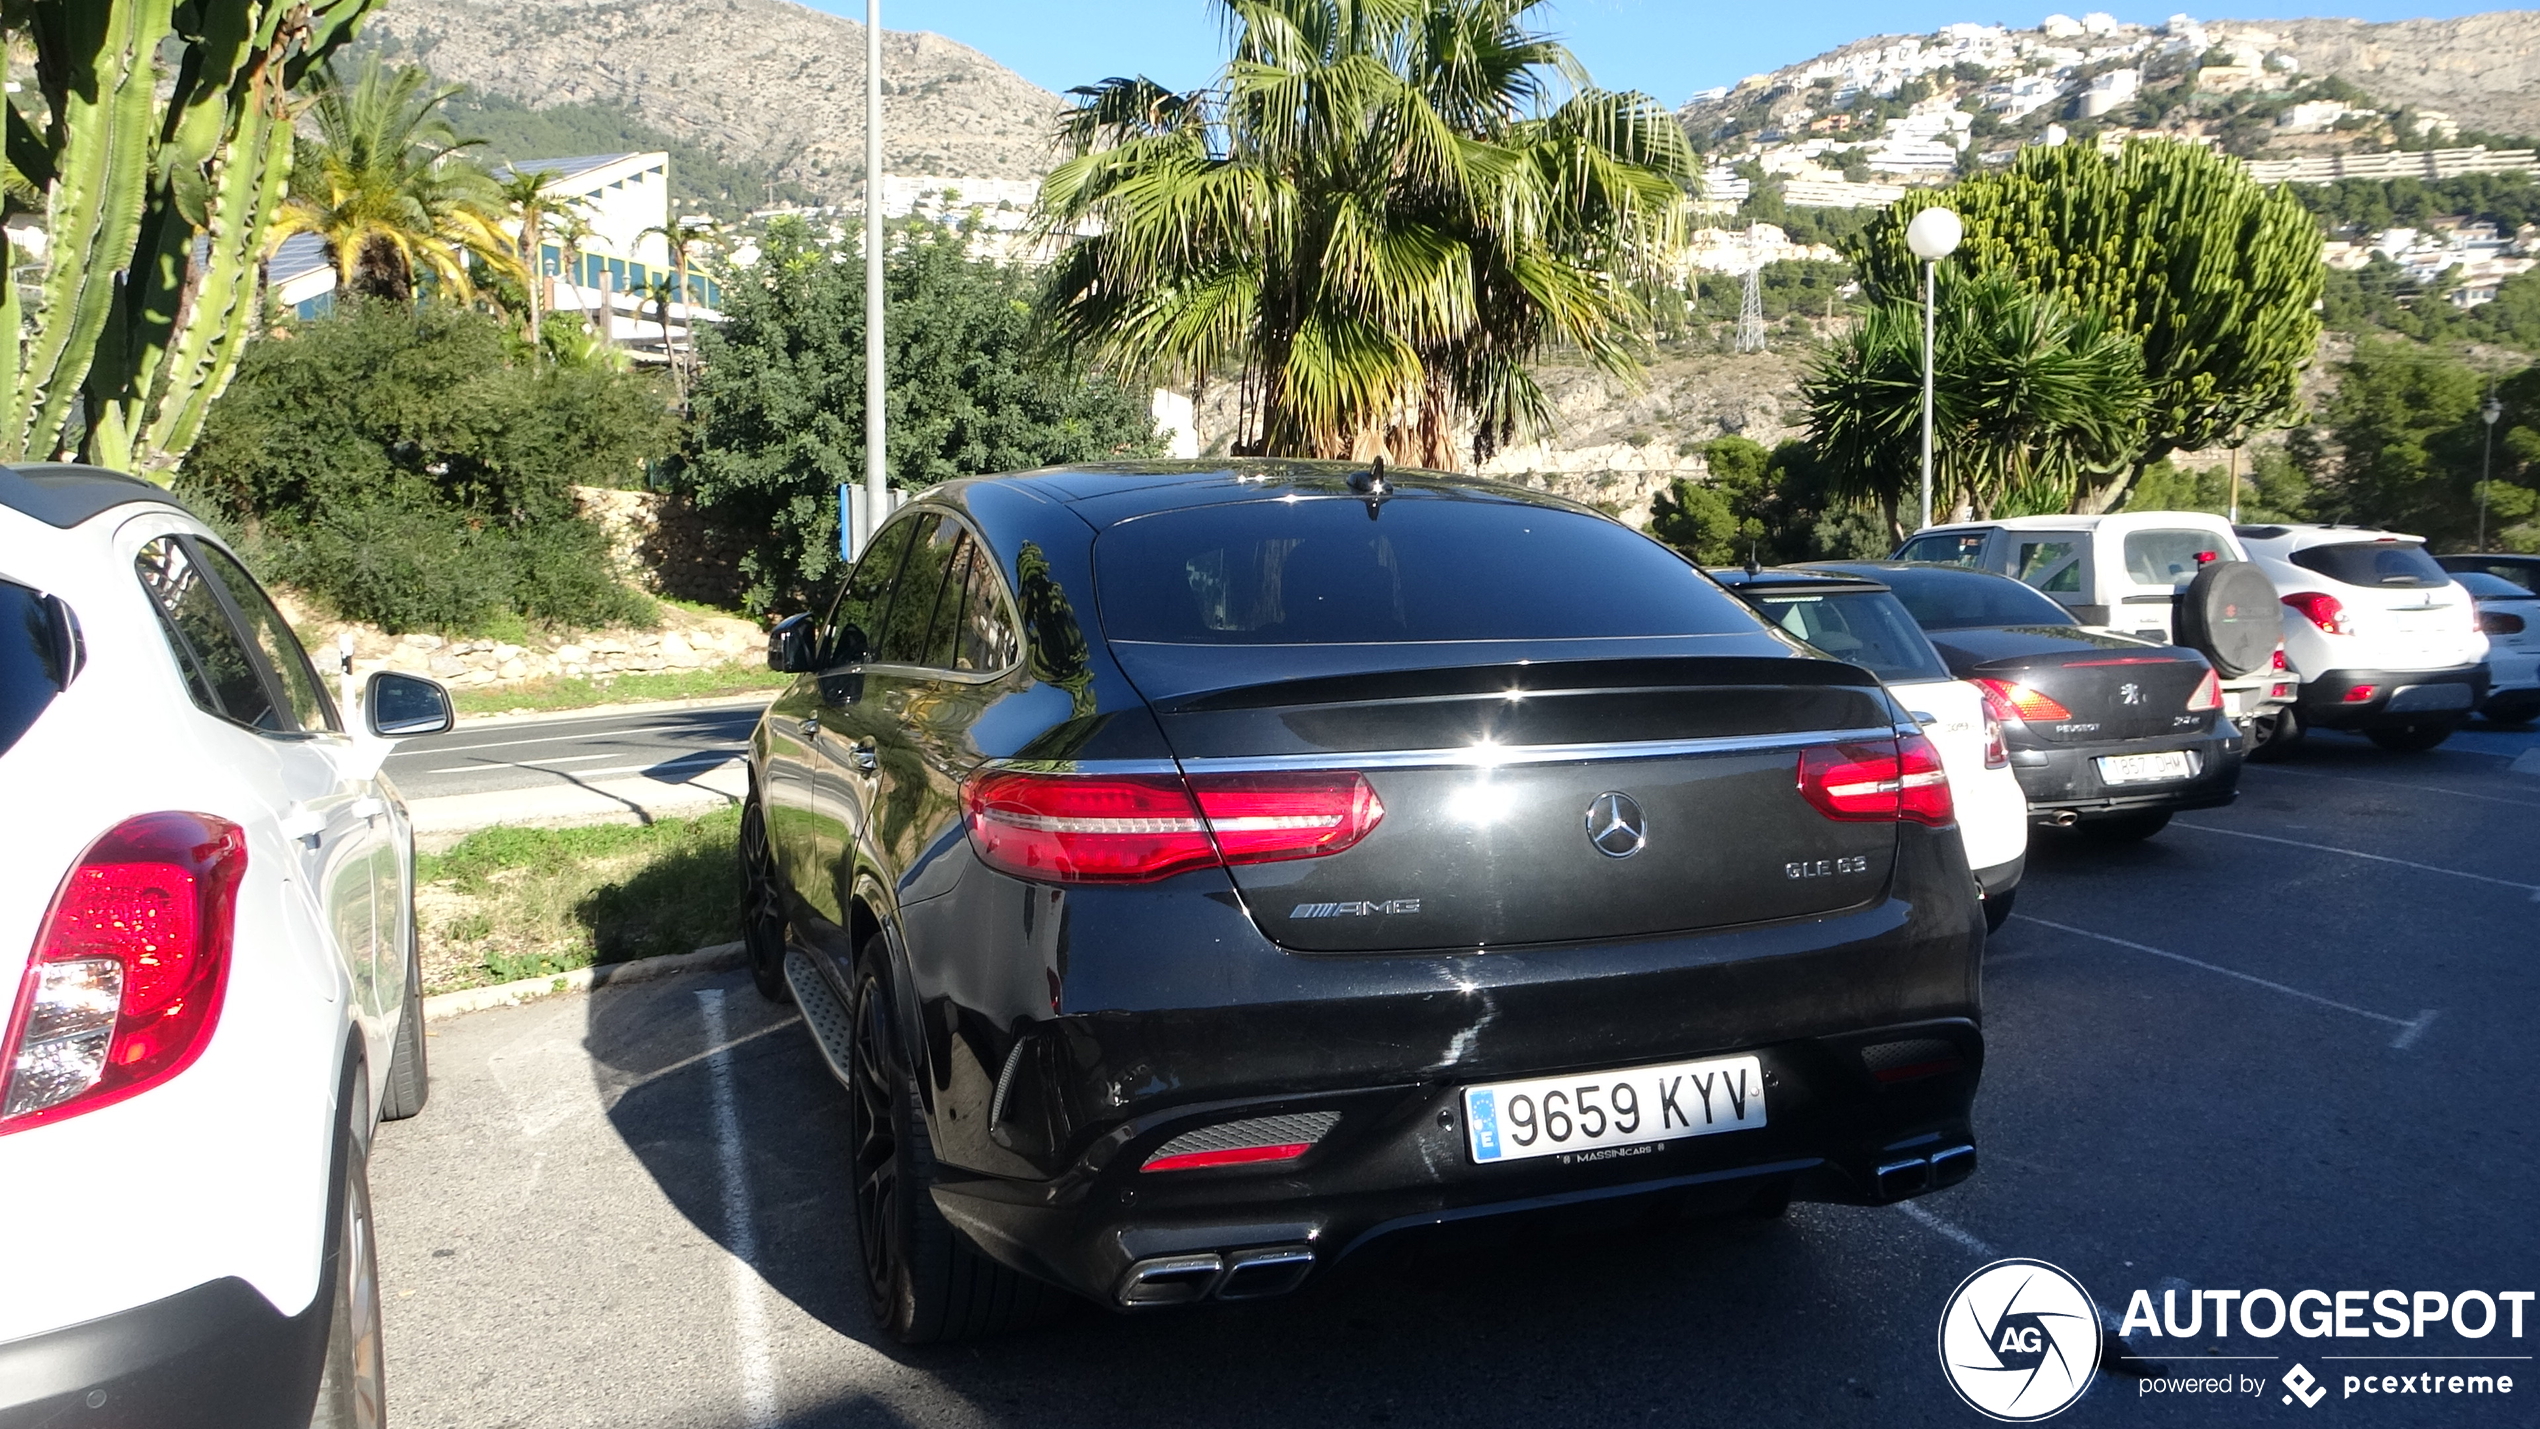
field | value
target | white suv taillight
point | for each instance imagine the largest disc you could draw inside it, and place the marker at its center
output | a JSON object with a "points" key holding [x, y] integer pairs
{"points": [[129, 965]]}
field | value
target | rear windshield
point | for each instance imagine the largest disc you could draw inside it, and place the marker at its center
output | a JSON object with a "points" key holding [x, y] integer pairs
{"points": [[2397, 565], [1418, 567], [1866, 628], [2169, 558], [33, 655], [1961, 600], [2487, 587]]}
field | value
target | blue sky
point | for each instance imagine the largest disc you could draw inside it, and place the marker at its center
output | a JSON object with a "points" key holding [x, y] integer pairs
{"points": [[1668, 47]]}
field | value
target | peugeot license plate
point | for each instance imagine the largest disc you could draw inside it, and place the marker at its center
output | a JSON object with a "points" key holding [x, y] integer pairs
{"points": [[2144, 768], [1598, 1115]]}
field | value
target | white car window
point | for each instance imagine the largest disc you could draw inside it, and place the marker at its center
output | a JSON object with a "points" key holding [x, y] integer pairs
{"points": [[1948, 548], [2049, 563], [2169, 558]]}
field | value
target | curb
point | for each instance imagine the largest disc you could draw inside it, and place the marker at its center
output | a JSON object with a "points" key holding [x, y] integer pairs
{"points": [[511, 994], [700, 702]]}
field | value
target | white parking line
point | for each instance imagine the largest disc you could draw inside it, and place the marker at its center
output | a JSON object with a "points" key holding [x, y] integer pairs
{"points": [[2410, 1028], [749, 1313], [1967, 1239], [2531, 888], [2391, 784]]}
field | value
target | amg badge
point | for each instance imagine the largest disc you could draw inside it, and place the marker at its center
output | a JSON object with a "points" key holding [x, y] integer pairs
{"points": [[1827, 867], [1355, 910]]}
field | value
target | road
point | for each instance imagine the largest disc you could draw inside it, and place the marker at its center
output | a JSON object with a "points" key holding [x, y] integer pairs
{"points": [[668, 745], [2285, 1044]]}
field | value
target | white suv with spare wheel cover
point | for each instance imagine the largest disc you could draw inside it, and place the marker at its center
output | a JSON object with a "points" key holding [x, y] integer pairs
{"points": [[207, 958], [2388, 643]]}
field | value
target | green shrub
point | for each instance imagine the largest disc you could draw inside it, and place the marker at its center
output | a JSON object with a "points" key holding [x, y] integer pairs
{"points": [[412, 467]]}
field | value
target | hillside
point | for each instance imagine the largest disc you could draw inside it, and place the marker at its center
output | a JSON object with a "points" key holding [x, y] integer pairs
{"points": [[2483, 70], [763, 85]]}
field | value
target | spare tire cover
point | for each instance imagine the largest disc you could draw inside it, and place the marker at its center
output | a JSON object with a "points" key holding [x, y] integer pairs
{"points": [[2229, 614]]}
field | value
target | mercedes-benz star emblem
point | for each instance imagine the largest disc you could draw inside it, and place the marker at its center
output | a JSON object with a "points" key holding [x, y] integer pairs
{"points": [[1616, 827]]}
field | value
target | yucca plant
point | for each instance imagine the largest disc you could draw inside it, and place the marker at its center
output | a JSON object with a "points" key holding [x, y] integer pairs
{"points": [[1378, 216], [2033, 401]]}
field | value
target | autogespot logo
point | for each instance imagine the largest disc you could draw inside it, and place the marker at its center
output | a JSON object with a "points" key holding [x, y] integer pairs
{"points": [[2020, 1340]]}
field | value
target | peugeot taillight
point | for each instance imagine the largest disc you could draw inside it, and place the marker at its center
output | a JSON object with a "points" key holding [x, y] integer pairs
{"points": [[2009, 699], [1863, 782], [125, 983], [2321, 609], [2208, 694], [1092, 828]]}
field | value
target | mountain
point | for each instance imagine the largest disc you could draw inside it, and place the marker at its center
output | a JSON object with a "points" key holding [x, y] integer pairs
{"points": [[2483, 70], [764, 85]]}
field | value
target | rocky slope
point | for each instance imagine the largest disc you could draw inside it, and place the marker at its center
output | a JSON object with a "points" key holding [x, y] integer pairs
{"points": [[2483, 70], [759, 82]]}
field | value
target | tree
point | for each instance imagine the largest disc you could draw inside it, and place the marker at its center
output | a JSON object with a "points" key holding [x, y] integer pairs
{"points": [[2214, 276], [1382, 212], [2034, 402], [387, 185], [533, 200], [682, 237], [779, 400], [2402, 445], [154, 142]]}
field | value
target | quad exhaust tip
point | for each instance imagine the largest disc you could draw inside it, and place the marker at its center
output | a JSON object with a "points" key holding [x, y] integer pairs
{"points": [[1254, 1274]]}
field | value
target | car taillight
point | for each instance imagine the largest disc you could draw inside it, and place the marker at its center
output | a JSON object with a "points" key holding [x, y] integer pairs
{"points": [[2208, 694], [126, 979], [1997, 750], [1079, 828], [2009, 699], [2497, 622], [2321, 609], [2280, 662], [1877, 783]]}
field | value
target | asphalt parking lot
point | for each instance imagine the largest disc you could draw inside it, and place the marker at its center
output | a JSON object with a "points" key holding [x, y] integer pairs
{"points": [[2285, 1044]]}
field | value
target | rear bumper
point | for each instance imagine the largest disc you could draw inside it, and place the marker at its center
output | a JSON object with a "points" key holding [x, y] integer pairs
{"points": [[2396, 697], [2064, 779], [218, 1356]]}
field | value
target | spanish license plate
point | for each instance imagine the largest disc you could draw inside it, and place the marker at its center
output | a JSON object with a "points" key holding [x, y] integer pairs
{"points": [[1598, 1116], [2144, 768]]}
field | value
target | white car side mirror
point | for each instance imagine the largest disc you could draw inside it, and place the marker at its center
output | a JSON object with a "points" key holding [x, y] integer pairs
{"points": [[397, 705]]}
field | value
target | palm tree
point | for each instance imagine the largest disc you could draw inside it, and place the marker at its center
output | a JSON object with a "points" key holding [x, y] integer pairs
{"points": [[1378, 216], [572, 230], [387, 184], [2033, 401], [682, 236], [532, 198]]}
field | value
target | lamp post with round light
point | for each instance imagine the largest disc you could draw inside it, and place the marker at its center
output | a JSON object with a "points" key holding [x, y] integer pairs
{"points": [[1932, 235], [2487, 464]]}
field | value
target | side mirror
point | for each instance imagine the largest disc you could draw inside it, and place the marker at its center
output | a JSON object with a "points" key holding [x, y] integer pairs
{"points": [[792, 647], [396, 705]]}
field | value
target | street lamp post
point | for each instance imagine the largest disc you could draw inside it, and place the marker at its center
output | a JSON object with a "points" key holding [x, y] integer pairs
{"points": [[2487, 464], [1932, 235], [877, 482]]}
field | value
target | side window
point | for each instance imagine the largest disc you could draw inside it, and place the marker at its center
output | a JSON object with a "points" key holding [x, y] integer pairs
{"points": [[900, 638], [2168, 558], [987, 641], [1948, 548], [943, 634], [302, 690], [221, 670], [2051, 564], [860, 603]]}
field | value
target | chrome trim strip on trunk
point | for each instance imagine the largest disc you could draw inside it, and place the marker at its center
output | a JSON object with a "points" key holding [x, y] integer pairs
{"points": [[1487, 756]]}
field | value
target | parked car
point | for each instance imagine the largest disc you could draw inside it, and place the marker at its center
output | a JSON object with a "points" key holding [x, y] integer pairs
{"points": [[1858, 620], [2109, 734], [2521, 570], [2162, 576], [2510, 617], [2386, 643], [207, 946], [1196, 872]]}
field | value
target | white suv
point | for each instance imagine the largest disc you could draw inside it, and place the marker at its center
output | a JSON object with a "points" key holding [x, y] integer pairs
{"points": [[2163, 576], [207, 961], [2387, 642]]}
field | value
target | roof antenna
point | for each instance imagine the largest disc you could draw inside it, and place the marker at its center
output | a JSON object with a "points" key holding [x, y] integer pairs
{"points": [[1372, 480], [1751, 566]]}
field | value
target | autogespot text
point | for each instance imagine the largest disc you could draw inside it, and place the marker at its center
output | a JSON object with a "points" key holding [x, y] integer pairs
{"points": [[2330, 1314]]}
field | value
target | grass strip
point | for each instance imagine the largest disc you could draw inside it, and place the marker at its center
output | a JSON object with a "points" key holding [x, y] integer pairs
{"points": [[582, 692], [508, 903]]}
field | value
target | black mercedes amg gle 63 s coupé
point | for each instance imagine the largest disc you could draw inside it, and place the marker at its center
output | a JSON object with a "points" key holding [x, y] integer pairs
{"points": [[1197, 872]]}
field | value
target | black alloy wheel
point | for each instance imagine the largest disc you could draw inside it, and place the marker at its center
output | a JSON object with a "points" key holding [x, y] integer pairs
{"points": [[2124, 828], [762, 909], [926, 1281], [2273, 734], [2412, 738]]}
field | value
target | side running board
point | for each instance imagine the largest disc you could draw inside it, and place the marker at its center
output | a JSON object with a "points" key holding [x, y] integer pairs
{"points": [[832, 1026]]}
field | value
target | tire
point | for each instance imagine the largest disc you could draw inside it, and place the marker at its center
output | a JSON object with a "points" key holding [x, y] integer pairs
{"points": [[2124, 828], [2229, 614], [1997, 910], [352, 1388], [2274, 734], [927, 1283], [762, 908], [409, 1068], [2412, 738]]}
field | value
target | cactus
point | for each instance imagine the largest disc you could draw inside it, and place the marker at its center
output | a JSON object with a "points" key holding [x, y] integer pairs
{"points": [[159, 211]]}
